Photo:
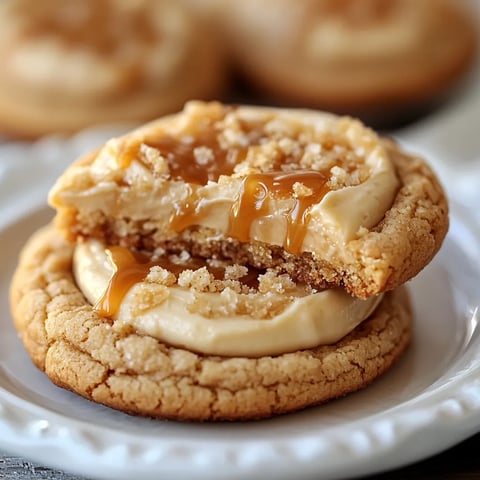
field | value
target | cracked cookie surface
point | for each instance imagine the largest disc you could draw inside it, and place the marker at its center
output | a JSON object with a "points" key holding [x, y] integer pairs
{"points": [[80, 351]]}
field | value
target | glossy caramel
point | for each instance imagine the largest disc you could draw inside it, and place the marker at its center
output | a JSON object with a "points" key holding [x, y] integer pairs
{"points": [[182, 161], [133, 267], [258, 190], [182, 152]]}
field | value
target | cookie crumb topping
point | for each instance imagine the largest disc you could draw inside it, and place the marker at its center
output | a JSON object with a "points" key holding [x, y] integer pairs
{"points": [[243, 290], [273, 158], [237, 142]]}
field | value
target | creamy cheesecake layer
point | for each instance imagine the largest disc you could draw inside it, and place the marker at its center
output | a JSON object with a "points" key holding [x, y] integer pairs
{"points": [[320, 196], [229, 317], [281, 177]]}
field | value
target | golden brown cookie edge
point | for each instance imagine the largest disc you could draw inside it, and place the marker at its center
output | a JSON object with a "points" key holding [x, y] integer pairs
{"points": [[79, 351]]}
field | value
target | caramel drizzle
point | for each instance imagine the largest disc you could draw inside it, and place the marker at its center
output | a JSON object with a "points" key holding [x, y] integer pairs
{"points": [[258, 190], [130, 268], [253, 202], [181, 152], [133, 267], [183, 164]]}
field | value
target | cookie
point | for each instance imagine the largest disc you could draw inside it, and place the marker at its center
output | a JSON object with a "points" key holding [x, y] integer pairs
{"points": [[229, 263], [385, 61], [320, 197], [83, 352], [72, 64]]}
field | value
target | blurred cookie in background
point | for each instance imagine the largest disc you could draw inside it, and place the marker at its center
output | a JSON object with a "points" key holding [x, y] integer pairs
{"points": [[383, 60], [69, 64]]}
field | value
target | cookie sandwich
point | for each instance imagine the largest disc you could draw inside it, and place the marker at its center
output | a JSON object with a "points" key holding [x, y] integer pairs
{"points": [[71, 64], [229, 263]]}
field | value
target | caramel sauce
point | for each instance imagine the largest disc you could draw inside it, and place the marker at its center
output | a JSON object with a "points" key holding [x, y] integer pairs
{"points": [[188, 213], [182, 154], [183, 159], [256, 193], [257, 189], [133, 267]]}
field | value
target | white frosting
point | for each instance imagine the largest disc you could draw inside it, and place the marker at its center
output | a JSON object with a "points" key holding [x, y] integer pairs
{"points": [[307, 321]]}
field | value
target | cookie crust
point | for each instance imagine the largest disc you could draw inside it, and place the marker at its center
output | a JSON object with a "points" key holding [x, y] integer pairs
{"points": [[80, 351]]}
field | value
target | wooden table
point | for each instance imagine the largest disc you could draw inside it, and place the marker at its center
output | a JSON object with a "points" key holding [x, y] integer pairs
{"points": [[459, 463]]}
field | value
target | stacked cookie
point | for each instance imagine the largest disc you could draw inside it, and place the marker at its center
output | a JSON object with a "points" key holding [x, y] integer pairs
{"points": [[229, 263]]}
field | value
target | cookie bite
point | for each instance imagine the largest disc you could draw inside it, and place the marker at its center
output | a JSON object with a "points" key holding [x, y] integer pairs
{"points": [[71, 64], [229, 263], [321, 197], [385, 61]]}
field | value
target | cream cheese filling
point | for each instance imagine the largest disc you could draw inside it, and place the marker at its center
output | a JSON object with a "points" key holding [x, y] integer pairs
{"points": [[306, 322], [340, 216]]}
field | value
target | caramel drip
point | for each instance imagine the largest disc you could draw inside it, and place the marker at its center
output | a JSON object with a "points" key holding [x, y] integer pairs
{"points": [[133, 267], [256, 193], [183, 156], [197, 156], [187, 213], [257, 189], [196, 159], [130, 268]]}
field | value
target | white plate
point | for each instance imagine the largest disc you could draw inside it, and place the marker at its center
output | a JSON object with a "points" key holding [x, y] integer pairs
{"points": [[429, 401]]}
